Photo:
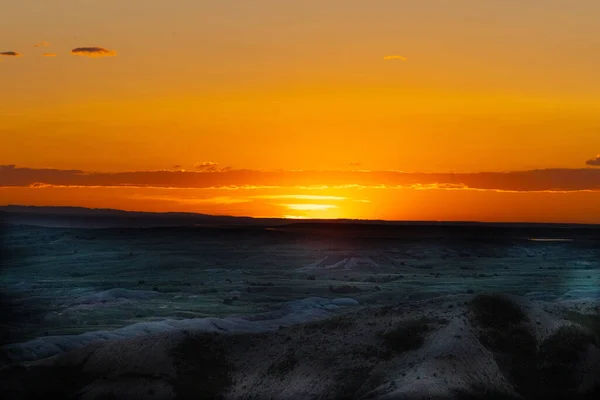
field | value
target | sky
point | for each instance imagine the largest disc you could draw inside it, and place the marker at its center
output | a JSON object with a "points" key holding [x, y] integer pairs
{"points": [[434, 109]]}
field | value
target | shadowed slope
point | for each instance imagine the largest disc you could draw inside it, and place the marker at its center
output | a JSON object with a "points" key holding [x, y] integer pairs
{"points": [[441, 348]]}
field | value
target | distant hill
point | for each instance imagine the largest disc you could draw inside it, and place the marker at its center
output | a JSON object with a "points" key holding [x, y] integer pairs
{"points": [[80, 217]]}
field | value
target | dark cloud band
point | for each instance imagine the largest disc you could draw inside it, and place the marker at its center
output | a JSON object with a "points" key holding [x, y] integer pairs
{"points": [[93, 52], [555, 180], [594, 162]]}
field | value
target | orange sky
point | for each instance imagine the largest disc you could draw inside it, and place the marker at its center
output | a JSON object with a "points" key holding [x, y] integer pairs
{"points": [[303, 85]]}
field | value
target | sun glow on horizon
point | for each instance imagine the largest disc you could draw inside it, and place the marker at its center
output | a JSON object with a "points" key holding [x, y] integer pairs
{"points": [[305, 109], [293, 217], [314, 211], [300, 197], [309, 207]]}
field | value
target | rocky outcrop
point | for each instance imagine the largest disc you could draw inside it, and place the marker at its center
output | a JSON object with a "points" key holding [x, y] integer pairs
{"points": [[463, 346]]}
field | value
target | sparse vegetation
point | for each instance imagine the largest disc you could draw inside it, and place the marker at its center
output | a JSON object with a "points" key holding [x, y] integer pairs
{"points": [[330, 324], [409, 335], [257, 289], [480, 393], [390, 278], [383, 310], [547, 371], [496, 311], [588, 321], [558, 356], [350, 381], [344, 289], [203, 371], [506, 333], [283, 367], [369, 351]]}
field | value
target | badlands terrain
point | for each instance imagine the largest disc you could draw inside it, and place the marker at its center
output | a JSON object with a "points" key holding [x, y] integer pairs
{"points": [[148, 307], [454, 346]]}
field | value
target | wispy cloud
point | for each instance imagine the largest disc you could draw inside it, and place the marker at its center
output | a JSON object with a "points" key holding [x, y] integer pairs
{"points": [[49, 55], [206, 165], [93, 52], [309, 207], [41, 44], [299, 197], [594, 162], [187, 200], [210, 166], [388, 58], [10, 54]]}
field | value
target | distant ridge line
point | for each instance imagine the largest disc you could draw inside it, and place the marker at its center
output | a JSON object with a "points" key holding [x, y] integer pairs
{"points": [[72, 216]]}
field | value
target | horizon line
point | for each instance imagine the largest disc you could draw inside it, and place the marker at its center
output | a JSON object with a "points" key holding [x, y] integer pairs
{"points": [[299, 220]]}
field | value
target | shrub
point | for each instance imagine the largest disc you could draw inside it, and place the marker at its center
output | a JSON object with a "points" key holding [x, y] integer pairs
{"points": [[589, 321], [496, 311], [330, 324], [408, 335], [283, 367], [506, 333], [558, 356], [345, 289], [203, 371]]}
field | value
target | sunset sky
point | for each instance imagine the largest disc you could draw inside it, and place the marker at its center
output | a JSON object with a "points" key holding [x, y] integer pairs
{"points": [[481, 110]]}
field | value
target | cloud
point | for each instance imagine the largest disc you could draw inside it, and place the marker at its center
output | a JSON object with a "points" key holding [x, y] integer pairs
{"points": [[93, 52], [387, 58], [209, 166], [187, 200], [209, 175], [309, 207], [299, 197], [10, 54], [354, 164], [48, 55], [41, 44], [203, 164], [594, 162]]}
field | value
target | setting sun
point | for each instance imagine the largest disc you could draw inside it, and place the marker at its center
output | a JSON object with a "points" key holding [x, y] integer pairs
{"points": [[327, 211]]}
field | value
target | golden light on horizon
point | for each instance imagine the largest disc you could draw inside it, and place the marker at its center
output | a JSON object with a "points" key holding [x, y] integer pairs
{"points": [[309, 207], [293, 217], [330, 91], [300, 197], [315, 211]]}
